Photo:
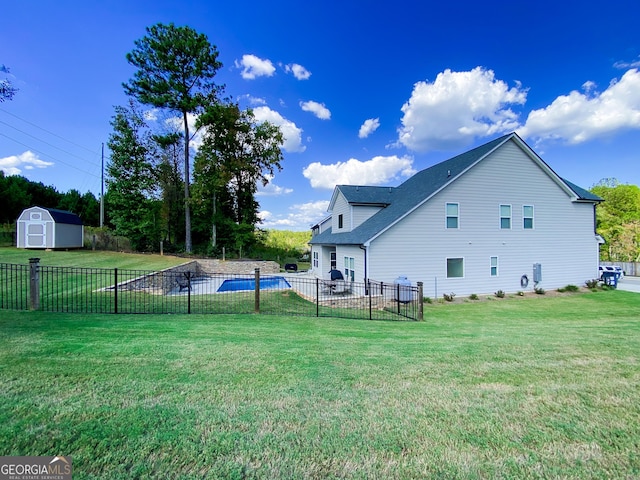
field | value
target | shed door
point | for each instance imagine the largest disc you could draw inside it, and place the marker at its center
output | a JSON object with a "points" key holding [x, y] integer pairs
{"points": [[36, 231]]}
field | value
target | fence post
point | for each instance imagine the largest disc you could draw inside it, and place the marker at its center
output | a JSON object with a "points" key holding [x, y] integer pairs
{"points": [[257, 291], [368, 293], [317, 297], [115, 291], [420, 302], [188, 275], [34, 285]]}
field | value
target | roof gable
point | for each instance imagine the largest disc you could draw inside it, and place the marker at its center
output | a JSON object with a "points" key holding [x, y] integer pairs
{"points": [[423, 185]]}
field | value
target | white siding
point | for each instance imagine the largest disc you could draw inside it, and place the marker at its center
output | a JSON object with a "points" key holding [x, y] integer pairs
{"points": [[341, 207], [562, 240], [354, 252], [362, 213]]}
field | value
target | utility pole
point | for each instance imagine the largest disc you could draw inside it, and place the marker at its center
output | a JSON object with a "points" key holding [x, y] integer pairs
{"points": [[102, 190]]}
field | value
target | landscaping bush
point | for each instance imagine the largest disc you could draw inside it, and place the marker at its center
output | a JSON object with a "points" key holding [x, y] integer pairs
{"points": [[473, 296], [539, 290], [449, 296], [569, 288], [593, 283], [500, 294]]}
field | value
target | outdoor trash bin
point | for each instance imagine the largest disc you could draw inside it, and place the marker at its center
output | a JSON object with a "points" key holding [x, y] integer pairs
{"points": [[610, 278]]}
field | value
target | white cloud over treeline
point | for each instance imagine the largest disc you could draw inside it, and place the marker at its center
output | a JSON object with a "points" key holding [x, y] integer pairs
{"points": [[15, 164]]}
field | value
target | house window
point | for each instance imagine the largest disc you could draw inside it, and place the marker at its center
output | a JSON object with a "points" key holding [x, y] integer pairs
{"points": [[527, 217], [455, 267], [316, 260], [349, 268], [452, 215], [505, 216], [340, 221], [494, 266]]}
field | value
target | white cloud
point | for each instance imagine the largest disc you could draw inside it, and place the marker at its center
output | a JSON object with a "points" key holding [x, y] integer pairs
{"points": [[318, 109], [368, 127], [300, 216], [28, 160], [626, 65], [292, 134], [298, 71], [253, 100], [458, 107], [253, 67], [150, 115], [377, 171], [176, 124], [272, 190], [578, 117]]}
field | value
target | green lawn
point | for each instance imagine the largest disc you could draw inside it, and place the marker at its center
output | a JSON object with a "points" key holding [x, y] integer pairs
{"points": [[537, 387], [89, 259]]}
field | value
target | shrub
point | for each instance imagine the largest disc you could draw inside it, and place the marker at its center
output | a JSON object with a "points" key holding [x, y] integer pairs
{"points": [[448, 296], [428, 300], [570, 288], [539, 290], [500, 294], [593, 283], [521, 293], [473, 296]]}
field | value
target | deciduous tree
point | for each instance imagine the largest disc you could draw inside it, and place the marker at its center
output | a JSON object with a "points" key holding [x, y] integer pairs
{"points": [[617, 219], [7, 89], [236, 155]]}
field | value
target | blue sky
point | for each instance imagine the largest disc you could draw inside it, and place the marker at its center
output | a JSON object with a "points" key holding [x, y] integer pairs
{"points": [[365, 92]]}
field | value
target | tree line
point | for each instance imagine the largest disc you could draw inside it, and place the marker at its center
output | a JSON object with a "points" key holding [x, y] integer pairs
{"points": [[18, 193]]}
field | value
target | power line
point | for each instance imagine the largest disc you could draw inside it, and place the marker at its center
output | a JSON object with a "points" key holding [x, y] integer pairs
{"points": [[49, 132], [47, 143], [50, 156]]}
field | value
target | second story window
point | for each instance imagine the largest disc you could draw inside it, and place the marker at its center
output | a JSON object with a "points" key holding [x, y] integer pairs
{"points": [[505, 216], [527, 217], [340, 221], [452, 214]]}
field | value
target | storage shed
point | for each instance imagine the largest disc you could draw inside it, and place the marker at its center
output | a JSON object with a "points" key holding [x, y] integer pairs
{"points": [[39, 227]]}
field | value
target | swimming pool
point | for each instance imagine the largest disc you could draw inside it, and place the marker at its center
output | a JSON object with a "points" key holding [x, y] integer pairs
{"points": [[266, 283]]}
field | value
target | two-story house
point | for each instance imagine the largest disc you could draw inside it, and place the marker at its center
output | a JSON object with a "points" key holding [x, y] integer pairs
{"points": [[494, 218]]}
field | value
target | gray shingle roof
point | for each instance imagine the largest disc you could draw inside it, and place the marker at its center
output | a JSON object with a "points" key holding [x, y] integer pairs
{"points": [[366, 195], [64, 216], [582, 193], [410, 194]]}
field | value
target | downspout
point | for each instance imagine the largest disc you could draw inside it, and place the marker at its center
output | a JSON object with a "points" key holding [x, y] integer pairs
{"points": [[366, 283]]}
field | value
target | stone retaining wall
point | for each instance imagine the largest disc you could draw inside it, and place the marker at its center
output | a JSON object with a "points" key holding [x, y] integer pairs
{"points": [[231, 267], [163, 282]]}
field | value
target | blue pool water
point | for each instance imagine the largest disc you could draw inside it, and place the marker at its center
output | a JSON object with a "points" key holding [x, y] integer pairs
{"points": [[266, 283]]}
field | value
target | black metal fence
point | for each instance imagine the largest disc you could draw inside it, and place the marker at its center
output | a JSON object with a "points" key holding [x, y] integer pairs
{"points": [[98, 290]]}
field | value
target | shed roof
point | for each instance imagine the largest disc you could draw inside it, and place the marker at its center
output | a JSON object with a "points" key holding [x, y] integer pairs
{"points": [[64, 216], [61, 216]]}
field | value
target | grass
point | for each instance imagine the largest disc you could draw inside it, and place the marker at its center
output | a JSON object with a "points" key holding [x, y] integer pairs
{"points": [[536, 388], [89, 259]]}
